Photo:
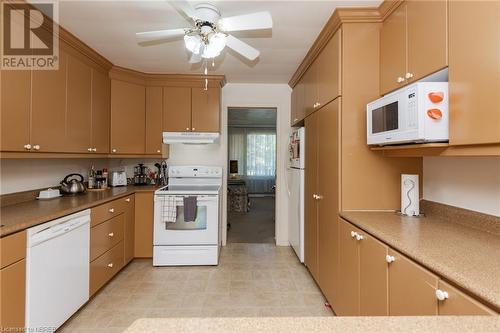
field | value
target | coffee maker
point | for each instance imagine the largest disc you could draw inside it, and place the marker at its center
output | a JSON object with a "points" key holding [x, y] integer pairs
{"points": [[140, 175]]}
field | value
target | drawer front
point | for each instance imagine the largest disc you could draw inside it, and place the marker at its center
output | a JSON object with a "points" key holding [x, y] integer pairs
{"points": [[106, 235], [105, 211], [124, 203], [12, 296], [12, 248], [105, 267]]}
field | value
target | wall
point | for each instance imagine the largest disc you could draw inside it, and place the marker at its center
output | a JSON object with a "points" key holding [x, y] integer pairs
{"points": [[467, 182], [247, 95], [18, 175]]}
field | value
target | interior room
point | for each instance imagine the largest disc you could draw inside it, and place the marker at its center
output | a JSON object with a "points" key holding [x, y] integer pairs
{"points": [[249, 166]]}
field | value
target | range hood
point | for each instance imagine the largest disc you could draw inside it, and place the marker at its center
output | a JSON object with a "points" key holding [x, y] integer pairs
{"points": [[190, 137]]}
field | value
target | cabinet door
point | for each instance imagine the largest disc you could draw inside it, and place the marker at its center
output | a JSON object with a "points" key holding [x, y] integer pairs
{"points": [[48, 108], [310, 79], [310, 191], [393, 50], [294, 106], [373, 277], [427, 23], [12, 295], [101, 111], [329, 70], [129, 211], [411, 288], [78, 110], [128, 118], [474, 72], [298, 113], [459, 304], [205, 110], [154, 114], [328, 203], [144, 207], [15, 110], [348, 296], [176, 109]]}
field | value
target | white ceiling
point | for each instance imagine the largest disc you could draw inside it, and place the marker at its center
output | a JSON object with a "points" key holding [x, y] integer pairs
{"points": [[109, 28]]}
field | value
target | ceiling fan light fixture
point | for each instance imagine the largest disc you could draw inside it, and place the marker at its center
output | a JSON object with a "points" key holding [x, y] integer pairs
{"points": [[216, 43], [193, 43]]}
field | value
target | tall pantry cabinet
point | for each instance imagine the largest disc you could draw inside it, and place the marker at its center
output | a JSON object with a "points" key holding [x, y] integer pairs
{"points": [[337, 177]]}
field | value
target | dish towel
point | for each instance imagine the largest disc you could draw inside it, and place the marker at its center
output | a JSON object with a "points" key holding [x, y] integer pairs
{"points": [[169, 213], [190, 208]]}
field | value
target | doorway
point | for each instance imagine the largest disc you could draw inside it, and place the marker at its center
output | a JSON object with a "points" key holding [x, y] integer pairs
{"points": [[251, 180]]}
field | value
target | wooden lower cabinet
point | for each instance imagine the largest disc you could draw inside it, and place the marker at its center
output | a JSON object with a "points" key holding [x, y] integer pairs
{"points": [[106, 235], [12, 295], [459, 304], [105, 267], [144, 215], [129, 216], [411, 288]]}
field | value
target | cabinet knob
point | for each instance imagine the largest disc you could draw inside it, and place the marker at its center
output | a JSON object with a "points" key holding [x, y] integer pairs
{"points": [[314, 196], [319, 197], [27, 147], [193, 129], [318, 104], [158, 150], [127, 200], [94, 149], [408, 75], [111, 210], [187, 128], [441, 295], [400, 79], [111, 234], [359, 237], [36, 147], [110, 265], [354, 234], [113, 150], [89, 149], [389, 259]]}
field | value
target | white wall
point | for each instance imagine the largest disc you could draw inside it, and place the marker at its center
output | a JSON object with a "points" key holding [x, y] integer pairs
{"points": [[468, 182]]}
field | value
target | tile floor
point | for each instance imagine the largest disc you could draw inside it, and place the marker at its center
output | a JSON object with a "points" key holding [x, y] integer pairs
{"points": [[251, 280]]}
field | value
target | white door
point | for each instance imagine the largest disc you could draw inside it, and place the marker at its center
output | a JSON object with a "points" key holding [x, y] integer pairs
{"points": [[203, 231]]}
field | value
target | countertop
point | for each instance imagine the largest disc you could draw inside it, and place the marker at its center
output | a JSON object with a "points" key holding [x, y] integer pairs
{"points": [[318, 324], [24, 215], [466, 256]]}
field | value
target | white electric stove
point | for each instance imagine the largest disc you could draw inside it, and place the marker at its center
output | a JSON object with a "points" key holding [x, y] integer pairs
{"points": [[194, 242]]}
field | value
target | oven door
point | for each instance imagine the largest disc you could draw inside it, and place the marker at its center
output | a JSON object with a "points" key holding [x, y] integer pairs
{"points": [[202, 231]]}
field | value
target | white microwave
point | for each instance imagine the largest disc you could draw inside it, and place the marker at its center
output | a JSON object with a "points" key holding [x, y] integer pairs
{"points": [[414, 114]]}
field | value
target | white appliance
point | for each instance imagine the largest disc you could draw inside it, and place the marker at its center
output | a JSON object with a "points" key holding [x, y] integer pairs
{"points": [[118, 178], [410, 205], [189, 243], [416, 113], [295, 188], [190, 137], [57, 270]]}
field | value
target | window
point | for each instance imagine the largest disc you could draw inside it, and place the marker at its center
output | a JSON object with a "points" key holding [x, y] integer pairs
{"points": [[261, 153]]}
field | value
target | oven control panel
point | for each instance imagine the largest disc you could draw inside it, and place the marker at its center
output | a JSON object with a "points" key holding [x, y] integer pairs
{"points": [[195, 172]]}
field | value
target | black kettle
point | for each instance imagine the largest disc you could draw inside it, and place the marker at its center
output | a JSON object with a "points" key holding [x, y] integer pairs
{"points": [[71, 185]]}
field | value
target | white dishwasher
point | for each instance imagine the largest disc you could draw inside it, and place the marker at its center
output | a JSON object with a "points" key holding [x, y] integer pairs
{"points": [[57, 270]]}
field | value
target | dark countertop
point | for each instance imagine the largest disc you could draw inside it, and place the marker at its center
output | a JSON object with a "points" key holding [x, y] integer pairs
{"points": [[466, 256], [24, 215]]}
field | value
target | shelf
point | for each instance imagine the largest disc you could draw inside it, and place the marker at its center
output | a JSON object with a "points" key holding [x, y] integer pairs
{"points": [[437, 149]]}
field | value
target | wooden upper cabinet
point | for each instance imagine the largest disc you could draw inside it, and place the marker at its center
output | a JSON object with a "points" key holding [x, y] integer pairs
{"points": [[48, 108], [459, 304], [128, 118], [78, 113], [310, 190], [411, 288], [101, 108], [328, 202], [474, 72], [310, 80], [205, 116], [393, 50], [176, 109], [427, 37], [154, 114], [15, 110], [373, 277], [348, 297], [329, 70]]}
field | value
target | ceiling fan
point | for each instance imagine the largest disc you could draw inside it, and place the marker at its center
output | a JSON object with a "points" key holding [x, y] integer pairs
{"points": [[209, 33]]}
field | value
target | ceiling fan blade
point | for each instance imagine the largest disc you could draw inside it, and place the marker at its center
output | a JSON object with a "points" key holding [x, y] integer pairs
{"points": [[149, 36], [185, 9], [195, 58], [254, 21], [242, 48]]}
